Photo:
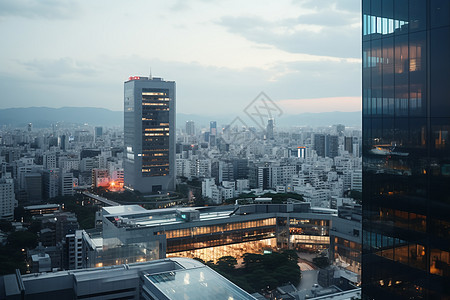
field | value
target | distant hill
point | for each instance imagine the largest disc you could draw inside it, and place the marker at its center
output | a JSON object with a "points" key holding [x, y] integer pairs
{"points": [[45, 116]]}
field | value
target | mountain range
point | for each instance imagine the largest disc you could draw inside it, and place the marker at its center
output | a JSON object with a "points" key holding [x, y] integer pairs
{"points": [[45, 116]]}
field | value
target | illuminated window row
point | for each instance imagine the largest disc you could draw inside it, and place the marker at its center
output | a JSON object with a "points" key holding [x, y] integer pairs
{"points": [[218, 228], [156, 134], [155, 165], [413, 255], [153, 94], [157, 129], [310, 239], [403, 219], [235, 250], [155, 170], [347, 243], [155, 104], [226, 238], [294, 221]]}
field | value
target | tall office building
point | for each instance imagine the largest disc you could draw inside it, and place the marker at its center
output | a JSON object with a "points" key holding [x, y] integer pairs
{"points": [[149, 134], [319, 144], [212, 133], [326, 145], [7, 197], [269, 129], [190, 128], [98, 133], [406, 149]]}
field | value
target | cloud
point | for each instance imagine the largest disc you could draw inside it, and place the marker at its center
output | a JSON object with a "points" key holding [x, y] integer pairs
{"points": [[200, 89], [328, 29], [45, 9], [59, 67], [342, 5]]}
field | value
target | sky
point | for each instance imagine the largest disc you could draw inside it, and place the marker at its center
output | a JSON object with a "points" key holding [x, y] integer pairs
{"points": [[303, 54]]}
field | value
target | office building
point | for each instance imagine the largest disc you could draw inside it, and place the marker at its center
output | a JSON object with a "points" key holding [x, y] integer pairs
{"points": [[149, 134], [66, 184], [174, 278], [131, 233], [7, 198], [51, 183], [33, 187], [406, 151], [212, 133], [50, 160], [326, 145], [190, 128], [346, 238], [100, 178], [319, 144], [331, 146], [98, 133], [269, 129]]}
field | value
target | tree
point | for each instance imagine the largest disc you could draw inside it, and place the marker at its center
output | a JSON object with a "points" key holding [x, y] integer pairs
{"points": [[6, 226], [22, 240], [259, 271], [226, 263]]}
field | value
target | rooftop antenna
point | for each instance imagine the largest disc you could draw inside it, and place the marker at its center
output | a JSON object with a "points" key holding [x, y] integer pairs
{"points": [[150, 77]]}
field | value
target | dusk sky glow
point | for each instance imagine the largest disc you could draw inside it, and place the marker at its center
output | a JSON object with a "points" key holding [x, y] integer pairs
{"points": [[303, 54]]}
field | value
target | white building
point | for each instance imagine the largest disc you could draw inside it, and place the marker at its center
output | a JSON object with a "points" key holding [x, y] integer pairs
{"points": [[50, 160], [183, 167], [66, 184], [7, 198], [67, 164], [356, 180], [75, 250]]}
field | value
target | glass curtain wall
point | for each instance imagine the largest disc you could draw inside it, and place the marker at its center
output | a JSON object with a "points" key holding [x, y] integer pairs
{"points": [[406, 150]]}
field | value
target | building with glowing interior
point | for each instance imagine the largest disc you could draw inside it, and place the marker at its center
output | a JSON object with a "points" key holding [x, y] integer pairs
{"points": [[406, 149], [131, 233], [149, 134]]}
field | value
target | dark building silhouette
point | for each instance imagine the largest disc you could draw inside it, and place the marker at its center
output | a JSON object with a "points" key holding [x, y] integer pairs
{"points": [[269, 129], [212, 133], [319, 144], [326, 145], [190, 128], [331, 146], [406, 150]]}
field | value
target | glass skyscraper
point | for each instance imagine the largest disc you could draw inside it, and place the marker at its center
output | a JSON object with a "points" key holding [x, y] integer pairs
{"points": [[406, 149], [149, 134]]}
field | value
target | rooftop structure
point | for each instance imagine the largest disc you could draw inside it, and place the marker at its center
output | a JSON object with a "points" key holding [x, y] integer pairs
{"points": [[168, 279], [131, 233]]}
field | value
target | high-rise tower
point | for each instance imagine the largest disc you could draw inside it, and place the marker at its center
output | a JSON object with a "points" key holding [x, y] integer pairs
{"points": [[212, 133], [149, 134], [406, 149]]}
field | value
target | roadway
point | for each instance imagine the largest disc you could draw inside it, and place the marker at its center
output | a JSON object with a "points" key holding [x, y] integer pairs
{"points": [[101, 199]]}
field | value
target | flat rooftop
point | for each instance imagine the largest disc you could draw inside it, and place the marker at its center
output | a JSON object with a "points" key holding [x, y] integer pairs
{"points": [[133, 216], [136, 216], [42, 206]]}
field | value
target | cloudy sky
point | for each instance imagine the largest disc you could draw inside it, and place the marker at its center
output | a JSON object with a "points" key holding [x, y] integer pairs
{"points": [[304, 54]]}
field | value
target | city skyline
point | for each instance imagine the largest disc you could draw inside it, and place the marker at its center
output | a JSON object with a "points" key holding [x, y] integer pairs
{"points": [[217, 53]]}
